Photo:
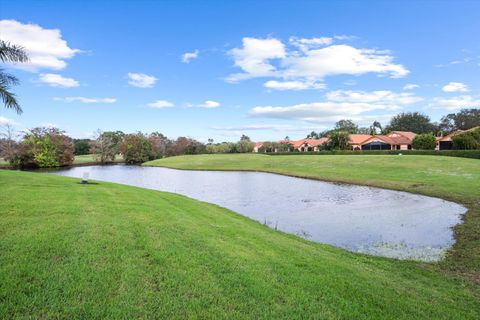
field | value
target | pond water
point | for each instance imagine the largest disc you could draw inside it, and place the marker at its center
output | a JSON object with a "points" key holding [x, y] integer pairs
{"points": [[361, 219]]}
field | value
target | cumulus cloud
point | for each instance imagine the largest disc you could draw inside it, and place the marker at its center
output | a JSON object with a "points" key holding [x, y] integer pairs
{"points": [[410, 86], [316, 59], [254, 58], [381, 96], [86, 100], [209, 104], [337, 105], [56, 80], [455, 87], [189, 56], [141, 80], [45, 47], [455, 103], [293, 85], [161, 104]]}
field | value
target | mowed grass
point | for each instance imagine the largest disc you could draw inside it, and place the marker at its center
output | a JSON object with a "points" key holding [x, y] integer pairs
{"points": [[456, 179], [90, 158], [108, 251]]}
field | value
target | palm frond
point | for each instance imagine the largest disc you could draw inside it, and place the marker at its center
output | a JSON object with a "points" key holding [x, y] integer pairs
{"points": [[12, 53], [9, 98]]}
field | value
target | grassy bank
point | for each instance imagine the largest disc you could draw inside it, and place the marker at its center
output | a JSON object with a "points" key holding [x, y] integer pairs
{"points": [[110, 251], [456, 179], [82, 160]]}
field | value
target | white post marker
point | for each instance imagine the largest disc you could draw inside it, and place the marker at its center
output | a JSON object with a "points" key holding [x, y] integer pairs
{"points": [[85, 177]]}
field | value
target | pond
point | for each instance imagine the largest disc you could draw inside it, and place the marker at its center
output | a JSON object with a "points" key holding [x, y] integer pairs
{"points": [[361, 219]]}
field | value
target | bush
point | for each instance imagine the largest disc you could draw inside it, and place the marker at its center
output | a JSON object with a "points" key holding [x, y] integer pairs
{"points": [[136, 148], [43, 147], [424, 141], [338, 140], [469, 140], [82, 146]]}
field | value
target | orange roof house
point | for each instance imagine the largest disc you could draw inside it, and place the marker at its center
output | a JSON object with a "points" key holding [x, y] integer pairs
{"points": [[445, 142]]}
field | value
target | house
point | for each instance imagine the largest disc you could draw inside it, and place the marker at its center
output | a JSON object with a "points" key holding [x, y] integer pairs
{"points": [[446, 143], [257, 146], [395, 140], [306, 145]]}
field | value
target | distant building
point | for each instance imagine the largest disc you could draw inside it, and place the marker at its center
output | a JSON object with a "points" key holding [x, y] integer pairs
{"points": [[446, 143], [395, 140]]}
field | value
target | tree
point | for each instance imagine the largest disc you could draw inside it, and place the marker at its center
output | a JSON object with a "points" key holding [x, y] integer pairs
{"points": [[81, 146], [136, 148], [463, 120], [411, 121], [104, 147], [8, 143], [376, 128], [44, 147], [159, 144], [10, 53], [312, 135], [467, 140], [347, 126], [338, 140], [424, 141], [244, 145]]}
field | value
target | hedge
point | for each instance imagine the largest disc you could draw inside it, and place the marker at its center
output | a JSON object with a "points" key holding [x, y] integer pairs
{"points": [[474, 154]]}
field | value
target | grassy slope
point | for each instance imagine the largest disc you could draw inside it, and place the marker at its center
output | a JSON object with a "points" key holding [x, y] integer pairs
{"points": [[110, 251], [456, 179], [86, 159]]}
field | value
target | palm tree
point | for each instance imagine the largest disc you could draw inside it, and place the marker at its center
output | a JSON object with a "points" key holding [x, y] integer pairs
{"points": [[10, 53]]}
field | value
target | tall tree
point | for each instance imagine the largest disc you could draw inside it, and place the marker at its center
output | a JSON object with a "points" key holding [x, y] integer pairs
{"points": [[347, 126], [462, 120], [10, 53], [411, 121]]}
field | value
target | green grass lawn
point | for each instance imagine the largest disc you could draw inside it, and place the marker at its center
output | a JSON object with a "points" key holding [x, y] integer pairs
{"points": [[90, 158], [456, 179], [110, 251]]}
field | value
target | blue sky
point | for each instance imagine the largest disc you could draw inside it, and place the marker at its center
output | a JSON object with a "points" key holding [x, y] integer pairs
{"points": [[264, 68]]}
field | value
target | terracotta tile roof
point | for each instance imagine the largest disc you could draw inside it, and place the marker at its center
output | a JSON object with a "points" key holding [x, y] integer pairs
{"points": [[358, 138], [311, 142], [449, 136], [407, 134]]}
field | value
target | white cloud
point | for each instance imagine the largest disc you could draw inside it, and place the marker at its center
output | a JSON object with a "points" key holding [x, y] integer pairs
{"points": [[86, 100], [455, 87], [45, 47], [381, 96], [253, 127], [293, 85], [209, 104], [6, 121], [305, 44], [56, 80], [339, 105], [318, 58], [161, 104], [189, 56], [410, 86], [253, 58], [455, 103], [141, 80]]}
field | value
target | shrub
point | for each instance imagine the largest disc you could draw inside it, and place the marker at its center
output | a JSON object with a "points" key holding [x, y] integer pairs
{"points": [[338, 140], [465, 141], [424, 141], [136, 148], [82, 146], [43, 147]]}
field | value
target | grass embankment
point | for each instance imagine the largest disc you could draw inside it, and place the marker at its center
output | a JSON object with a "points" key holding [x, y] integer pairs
{"points": [[456, 179], [81, 160], [104, 250]]}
